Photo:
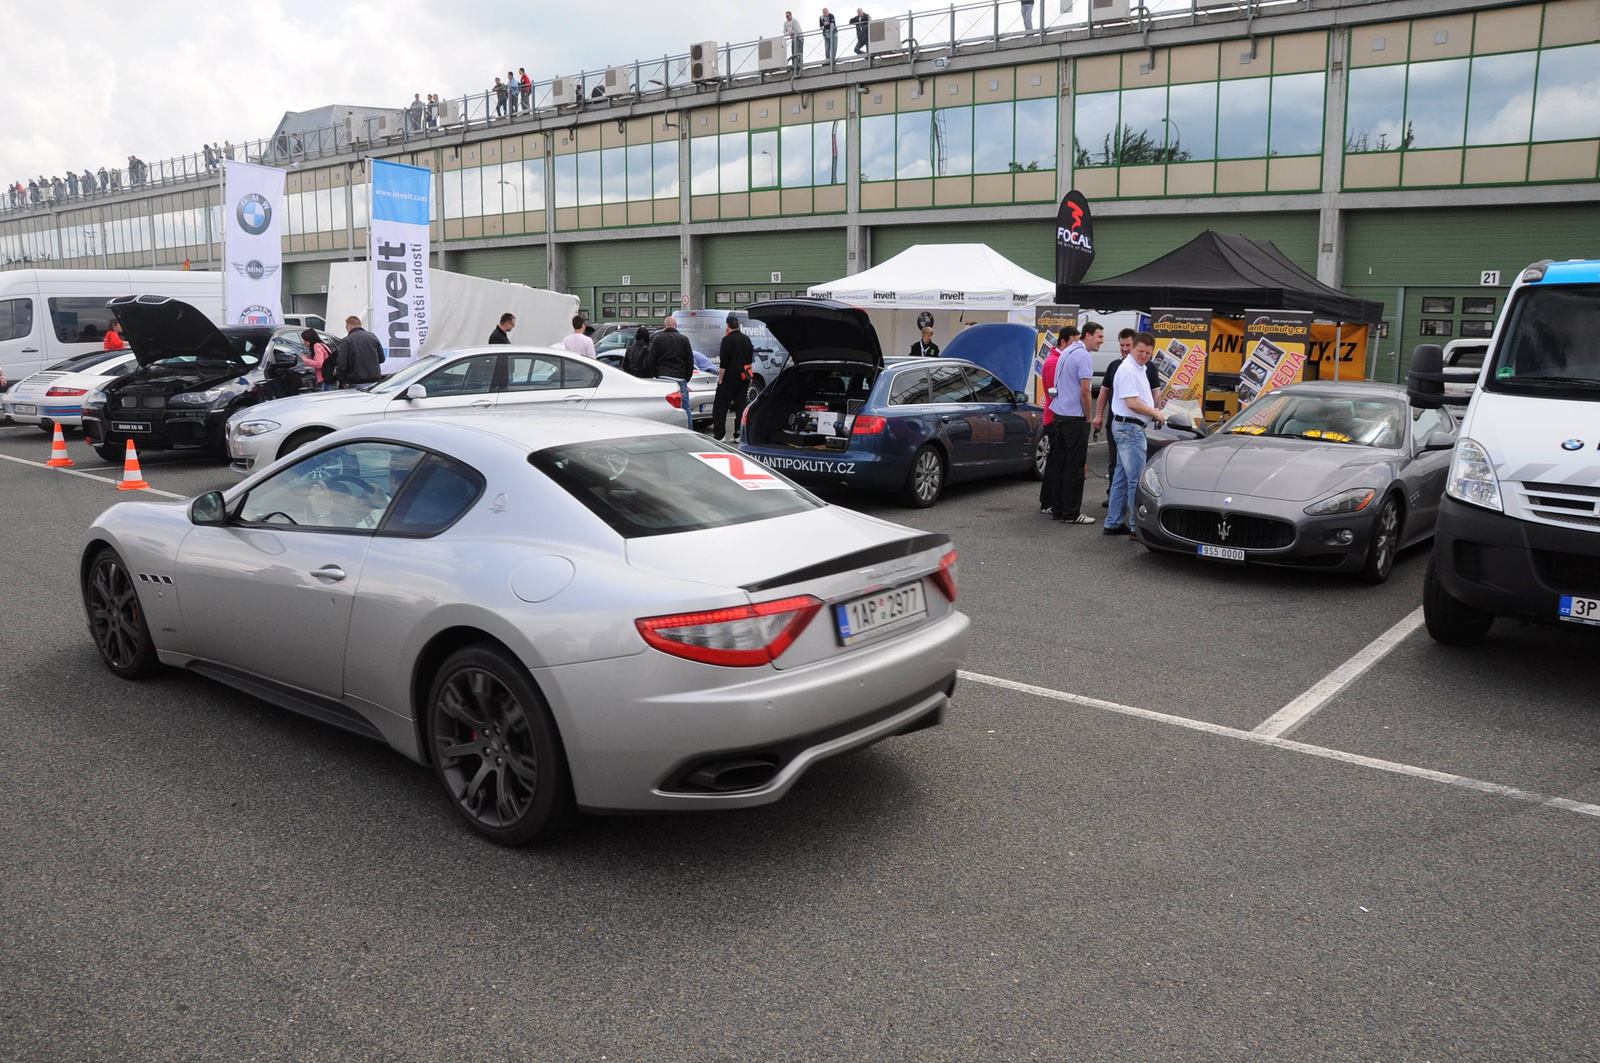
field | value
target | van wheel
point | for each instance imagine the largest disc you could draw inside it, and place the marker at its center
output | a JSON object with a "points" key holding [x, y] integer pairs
{"points": [[925, 481], [1449, 621]]}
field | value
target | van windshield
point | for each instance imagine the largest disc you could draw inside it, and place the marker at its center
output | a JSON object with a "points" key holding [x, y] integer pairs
{"points": [[1551, 344]]}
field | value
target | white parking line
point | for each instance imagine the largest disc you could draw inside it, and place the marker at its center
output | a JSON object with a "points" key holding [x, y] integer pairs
{"points": [[86, 475], [1306, 705], [1272, 741]]}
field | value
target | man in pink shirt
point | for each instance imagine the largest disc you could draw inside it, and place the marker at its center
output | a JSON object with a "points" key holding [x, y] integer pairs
{"points": [[576, 341], [1050, 486]]}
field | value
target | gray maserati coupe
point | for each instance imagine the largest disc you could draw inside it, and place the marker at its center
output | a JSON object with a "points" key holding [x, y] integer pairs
{"points": [[575, 610], [1337, 476]]}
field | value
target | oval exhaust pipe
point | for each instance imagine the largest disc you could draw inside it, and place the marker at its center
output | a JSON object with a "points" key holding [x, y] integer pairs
{"points": [[731, 776]]}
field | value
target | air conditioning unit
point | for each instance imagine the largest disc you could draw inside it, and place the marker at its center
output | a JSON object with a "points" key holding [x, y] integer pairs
{"points": [[382, 127], [883, 35], [355, 130], [1109, 10], [772, 53], [449, 112], [564, 92], [619, 80], [703, 61]]}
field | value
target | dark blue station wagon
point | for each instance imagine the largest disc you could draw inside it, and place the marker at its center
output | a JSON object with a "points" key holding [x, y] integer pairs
{"points": [[840, 413]]}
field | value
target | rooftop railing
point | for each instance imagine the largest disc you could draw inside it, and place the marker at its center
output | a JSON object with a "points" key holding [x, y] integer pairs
{"points": [[959, 29]]}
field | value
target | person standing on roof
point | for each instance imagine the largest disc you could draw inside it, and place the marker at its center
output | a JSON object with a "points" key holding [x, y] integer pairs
{"points": [[860, 21], [791, 30], [830, 34], [733, 378]]}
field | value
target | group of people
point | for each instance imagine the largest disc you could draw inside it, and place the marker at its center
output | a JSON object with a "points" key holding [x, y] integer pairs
{"points": [[512, 95], [828, 23], [422, 114], [1127, 394], [41, 190], [215, 153], [356, 361]]}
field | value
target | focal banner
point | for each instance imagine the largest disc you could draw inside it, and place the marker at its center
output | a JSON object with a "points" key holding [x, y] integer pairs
{"points": [[1180, 359], [398, 251], [1074, 239], [252, 244], [1275, 351], [1048, 321]]}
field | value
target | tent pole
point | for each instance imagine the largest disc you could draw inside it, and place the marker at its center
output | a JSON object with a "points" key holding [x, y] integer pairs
{"points": [[1338, 348]]}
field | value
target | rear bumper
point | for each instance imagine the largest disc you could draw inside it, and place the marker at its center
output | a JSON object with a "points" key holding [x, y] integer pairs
{"points": [[1511, 567], [630, 746]]}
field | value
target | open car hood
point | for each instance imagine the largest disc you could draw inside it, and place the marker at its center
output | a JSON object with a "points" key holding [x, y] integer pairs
{"points": [[820, 330], [1005, 349], [158, 327]]}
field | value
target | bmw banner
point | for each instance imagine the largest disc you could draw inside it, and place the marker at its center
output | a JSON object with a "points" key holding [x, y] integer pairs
{"points": [[399, 256], [252, 244]]}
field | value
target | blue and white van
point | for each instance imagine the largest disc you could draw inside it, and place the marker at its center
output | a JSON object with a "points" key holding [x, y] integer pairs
{"points": [[1519, 526]]}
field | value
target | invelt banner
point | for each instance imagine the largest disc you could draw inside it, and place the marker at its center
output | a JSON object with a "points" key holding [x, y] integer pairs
{"points": [[398, 236], [1180, 359], [252, 244], [1275, 344], [1048, 321]]}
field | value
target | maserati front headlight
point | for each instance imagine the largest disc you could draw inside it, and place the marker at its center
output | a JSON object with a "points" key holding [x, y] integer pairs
{"points": [[1352, 501], [1151, 482]]}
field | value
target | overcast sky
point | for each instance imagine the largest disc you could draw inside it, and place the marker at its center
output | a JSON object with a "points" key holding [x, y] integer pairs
{"points": [[92, 82]]}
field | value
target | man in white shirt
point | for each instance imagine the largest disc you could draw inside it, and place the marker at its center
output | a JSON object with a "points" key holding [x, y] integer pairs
{"points": [[578, 343], [1132, 408], [791, 30]]}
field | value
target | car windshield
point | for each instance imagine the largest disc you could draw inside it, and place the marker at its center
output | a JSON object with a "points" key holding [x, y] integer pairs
{"points": [[79, 362], [662, 485], [614, 341], [248, 348], [1326, 418], [1468, 357], [408, 376], [1550, 344]]}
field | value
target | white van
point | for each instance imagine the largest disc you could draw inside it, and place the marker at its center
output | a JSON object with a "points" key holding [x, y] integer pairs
{"points": [[1519, 525], [50, 315]]}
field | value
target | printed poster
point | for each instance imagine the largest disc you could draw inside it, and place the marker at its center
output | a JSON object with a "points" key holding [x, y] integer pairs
{"points": [[252, 244], [1275, 344], [1048, 321], [1180, 360], [398, 237]]}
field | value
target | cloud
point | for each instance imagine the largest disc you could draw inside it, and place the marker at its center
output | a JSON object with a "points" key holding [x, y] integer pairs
{"points": [[158, 78]]}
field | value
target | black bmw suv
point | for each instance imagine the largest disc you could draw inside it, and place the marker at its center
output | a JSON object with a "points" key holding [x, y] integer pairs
{"points": [[191, 376]]}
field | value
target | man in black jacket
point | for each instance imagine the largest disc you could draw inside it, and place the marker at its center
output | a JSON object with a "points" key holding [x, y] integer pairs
{"points": [[733, 378], [360, 355], [502, 331], [673, 358], [860, 22]]}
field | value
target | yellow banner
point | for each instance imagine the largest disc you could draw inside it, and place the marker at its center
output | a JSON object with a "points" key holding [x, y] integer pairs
{"points": [[1180, 360], [1275, 351], [1352, 356], [1048, 321]]}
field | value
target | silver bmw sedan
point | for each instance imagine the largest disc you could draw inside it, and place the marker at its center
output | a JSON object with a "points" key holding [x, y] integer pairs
{"points": [[576, 611]]}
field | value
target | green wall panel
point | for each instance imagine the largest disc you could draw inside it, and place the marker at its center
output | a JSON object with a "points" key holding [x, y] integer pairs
{"points": [[522, 265], [605, 263], [807, 256], [305, 278], [1125, 243], [1400, 257], [1030, 244]]}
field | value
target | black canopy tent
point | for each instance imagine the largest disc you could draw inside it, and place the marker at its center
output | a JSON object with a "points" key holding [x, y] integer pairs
{"points": [[1227, 274]]}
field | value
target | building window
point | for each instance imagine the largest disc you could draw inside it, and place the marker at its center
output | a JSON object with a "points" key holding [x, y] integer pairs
{"points": [[1567, 103], [1436, 104], [532, 183], [797, 156], [913, 145], [1500, 106], [1143, 134], [991, 137], [1438, 304], [588, 178], [1036, 135], [828, 152], [1479, 329], [566, 181], [614, 175], [1094, 129], [666, 169], [1375, 110], [764, 159], [877, 148], [1474, 305], [703, 166], [952, 138], [1437, 326], [1297, 106], [734, 170], [1192, 122], [1242, 133]]}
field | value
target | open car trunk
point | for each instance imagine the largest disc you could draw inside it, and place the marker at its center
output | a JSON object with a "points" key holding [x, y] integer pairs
{"points": [[812, 406]]}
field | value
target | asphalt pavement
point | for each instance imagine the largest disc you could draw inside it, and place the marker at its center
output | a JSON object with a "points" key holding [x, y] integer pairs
{"points": [[192, 874]]}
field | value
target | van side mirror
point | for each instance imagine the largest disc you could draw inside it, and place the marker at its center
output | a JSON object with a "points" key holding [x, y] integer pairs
{"points": [[209, 509], [415, 391], [1440, 440], [1426, 379]]}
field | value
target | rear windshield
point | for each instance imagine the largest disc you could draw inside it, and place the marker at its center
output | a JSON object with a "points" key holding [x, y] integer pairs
{"points": [[79, 362], [661, 485], [1551, 344]]}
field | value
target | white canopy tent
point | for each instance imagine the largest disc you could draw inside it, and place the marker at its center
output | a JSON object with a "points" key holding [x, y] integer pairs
{"points": [[956, 283]]}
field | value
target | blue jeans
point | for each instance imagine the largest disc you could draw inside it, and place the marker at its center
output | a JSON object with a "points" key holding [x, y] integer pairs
{"points": [[1129, 438]]}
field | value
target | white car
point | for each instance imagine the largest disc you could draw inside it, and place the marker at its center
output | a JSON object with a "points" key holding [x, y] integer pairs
{"points": [[56, 395], [470, 380], [1464, 355]]}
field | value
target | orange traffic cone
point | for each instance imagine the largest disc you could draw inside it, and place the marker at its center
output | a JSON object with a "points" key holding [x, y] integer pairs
{"points": [[58, 451], [132, 478]]}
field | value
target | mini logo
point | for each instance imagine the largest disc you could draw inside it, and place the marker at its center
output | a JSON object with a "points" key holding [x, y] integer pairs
{"points": [[1223, 530], [254, 214], [1572, 444], [254, 269], [257, 315]]}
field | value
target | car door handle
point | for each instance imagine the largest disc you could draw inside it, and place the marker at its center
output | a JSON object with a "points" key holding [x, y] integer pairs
{"points": [[30, 350], [481, 404], [572, 398], [331, 573]]}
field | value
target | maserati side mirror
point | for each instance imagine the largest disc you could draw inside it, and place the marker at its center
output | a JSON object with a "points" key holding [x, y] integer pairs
{"points": [[209, 509]]}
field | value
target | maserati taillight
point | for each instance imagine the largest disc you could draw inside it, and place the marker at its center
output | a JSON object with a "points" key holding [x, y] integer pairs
{"points": [[945, 578], [742, 636]]}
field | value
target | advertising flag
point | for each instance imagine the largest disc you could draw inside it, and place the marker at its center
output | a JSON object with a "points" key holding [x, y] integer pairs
{"points": [[1180, 359], [1275, 344], [252, 244], [1074, 239], [1048, 321], [398, 235]]}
